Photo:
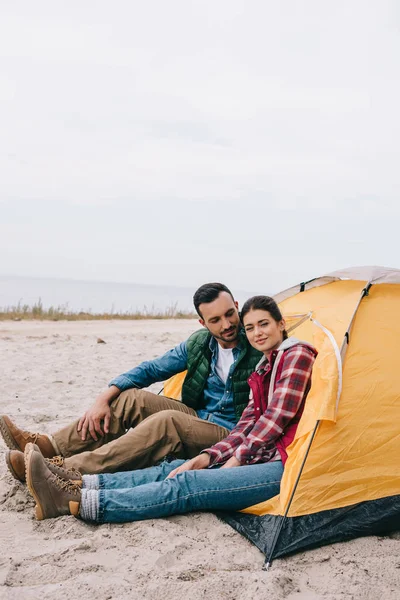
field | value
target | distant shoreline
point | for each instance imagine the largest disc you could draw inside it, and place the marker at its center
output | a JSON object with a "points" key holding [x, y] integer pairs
{"points": [[36, 312], [72, 297]]}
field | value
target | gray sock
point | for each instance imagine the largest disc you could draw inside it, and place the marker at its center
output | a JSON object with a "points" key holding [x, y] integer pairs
{"points": [[89, 509], [90, 482]]}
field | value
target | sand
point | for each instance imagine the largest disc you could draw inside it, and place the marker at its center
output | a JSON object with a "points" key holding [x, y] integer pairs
{"points": [[50, 372]]}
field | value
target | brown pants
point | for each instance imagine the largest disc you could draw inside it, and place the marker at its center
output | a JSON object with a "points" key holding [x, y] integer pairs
{"points": [[144, 428]]}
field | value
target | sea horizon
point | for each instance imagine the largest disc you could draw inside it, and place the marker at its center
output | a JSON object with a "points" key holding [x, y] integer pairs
{"points": [[78, 295]]}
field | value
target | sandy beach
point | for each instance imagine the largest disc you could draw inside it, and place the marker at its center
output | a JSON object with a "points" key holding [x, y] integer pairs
{"points": [[52, 371]]}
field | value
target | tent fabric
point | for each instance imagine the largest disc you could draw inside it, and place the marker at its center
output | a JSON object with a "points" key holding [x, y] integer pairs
{"points": [[375, 517], [373, 274], [365, 274], [350, 484], [173, 386]]}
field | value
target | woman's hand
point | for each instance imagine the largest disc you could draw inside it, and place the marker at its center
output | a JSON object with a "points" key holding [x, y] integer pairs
{"points": [[232, 462], [202, 461]]}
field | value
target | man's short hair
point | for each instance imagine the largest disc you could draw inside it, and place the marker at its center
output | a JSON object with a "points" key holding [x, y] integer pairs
{"points": [[208, 293]]}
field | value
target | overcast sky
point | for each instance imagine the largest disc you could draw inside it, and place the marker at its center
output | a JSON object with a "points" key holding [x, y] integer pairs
{"points": [[254, 142]]}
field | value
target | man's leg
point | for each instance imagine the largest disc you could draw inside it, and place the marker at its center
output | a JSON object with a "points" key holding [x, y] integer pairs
{"points": [[167, 432], [127, 411], [206, 489]]}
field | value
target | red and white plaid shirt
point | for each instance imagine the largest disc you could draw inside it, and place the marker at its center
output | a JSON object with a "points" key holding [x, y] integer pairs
{"points": [[253, 441]]}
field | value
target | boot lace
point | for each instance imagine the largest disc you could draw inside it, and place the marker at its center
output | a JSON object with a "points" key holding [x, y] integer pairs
{"points": [[58, 461], [66, 485]]}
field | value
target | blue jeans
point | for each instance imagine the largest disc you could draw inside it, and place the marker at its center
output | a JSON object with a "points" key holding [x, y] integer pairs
{"points": [[146, 494]]}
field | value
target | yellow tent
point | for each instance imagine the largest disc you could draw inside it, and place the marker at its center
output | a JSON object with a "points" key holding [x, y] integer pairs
{"points": [[342, 476]]}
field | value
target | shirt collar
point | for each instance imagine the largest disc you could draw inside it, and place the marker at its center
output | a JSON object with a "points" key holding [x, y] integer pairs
{"points": [[213, 345]]}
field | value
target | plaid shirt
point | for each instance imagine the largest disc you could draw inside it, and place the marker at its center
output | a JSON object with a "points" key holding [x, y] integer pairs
{"points": [[253, 441]]}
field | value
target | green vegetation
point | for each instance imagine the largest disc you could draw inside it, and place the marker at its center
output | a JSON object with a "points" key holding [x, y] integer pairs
{"points": [[62, 313]]}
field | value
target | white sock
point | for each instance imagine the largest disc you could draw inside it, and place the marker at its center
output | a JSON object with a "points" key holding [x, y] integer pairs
{"points": [[90, 482], [89, 508]]}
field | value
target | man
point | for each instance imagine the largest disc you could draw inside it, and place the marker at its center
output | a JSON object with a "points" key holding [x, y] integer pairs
{"points": [[128, 428]]}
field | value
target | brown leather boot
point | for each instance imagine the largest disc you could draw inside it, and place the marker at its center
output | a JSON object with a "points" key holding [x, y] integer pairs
{"points": [[54, 496], [16, 464], [17, 439], [57, 466]]}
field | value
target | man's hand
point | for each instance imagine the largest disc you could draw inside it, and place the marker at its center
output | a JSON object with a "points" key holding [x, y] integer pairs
{"points": [[232, 462], [99, 414], [202, 461]]}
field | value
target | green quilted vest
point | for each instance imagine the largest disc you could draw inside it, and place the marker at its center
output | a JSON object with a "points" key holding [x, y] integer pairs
{"points": [[199, 360]]}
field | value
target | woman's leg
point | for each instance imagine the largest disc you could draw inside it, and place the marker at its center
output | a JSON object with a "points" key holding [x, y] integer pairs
{"points": [[207, 489], [130, 479]]}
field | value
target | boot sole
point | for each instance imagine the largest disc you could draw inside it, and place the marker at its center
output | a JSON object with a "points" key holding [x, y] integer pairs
{"points": [[11, 468], [7, 436], [29, 450]]}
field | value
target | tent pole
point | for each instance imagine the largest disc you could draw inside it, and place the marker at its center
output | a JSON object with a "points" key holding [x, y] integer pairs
{"points": [[268, 560]]}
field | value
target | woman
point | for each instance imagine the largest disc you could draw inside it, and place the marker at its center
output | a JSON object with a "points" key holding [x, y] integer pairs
{"points": [[243, 469]]}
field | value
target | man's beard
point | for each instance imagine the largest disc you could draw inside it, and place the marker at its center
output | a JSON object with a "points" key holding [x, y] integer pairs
{"points": [[229, 334]]}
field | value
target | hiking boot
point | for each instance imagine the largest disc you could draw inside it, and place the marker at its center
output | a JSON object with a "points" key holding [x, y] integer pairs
{"points": [[54, 496], [17, 439], [16, 465], [57, 466]]}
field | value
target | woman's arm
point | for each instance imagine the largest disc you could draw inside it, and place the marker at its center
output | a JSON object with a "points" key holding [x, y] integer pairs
{"points": [[249, 439], [282, 407], [223, 450]]}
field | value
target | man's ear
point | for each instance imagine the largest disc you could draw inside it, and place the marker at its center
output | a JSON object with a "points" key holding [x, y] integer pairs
{"points": [[202, 322], [236, 303]]}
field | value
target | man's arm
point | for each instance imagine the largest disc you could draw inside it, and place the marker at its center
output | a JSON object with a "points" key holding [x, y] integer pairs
{"points": [[150, 371], [172, 362], [99, 413]]}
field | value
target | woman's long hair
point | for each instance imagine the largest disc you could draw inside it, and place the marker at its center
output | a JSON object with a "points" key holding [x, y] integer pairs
{"points": [[263, 303]]}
